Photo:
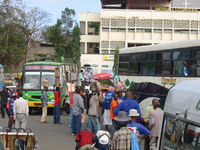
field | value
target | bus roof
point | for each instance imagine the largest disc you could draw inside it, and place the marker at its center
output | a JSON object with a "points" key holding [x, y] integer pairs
{"points": [[163, 46], [185, 96], [43, 63]]}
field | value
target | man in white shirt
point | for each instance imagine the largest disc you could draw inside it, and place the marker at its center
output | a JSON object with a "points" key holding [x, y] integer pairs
{"points": [[21, 110]]}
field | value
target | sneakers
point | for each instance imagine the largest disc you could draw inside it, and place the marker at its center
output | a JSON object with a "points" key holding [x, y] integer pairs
{"points": [[72, 134], [70, 126]]}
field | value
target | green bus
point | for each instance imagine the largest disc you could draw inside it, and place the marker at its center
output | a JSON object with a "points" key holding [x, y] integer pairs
{"points": [[34, 73]]}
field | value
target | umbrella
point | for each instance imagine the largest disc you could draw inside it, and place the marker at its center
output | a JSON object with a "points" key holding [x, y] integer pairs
{"points": [[102, 76]]}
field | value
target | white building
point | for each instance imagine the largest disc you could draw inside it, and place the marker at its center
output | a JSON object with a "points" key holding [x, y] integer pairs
{"points": [[128, 23]]}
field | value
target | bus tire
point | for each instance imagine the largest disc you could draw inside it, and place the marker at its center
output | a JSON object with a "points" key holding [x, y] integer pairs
{"points": [[30, 110]]}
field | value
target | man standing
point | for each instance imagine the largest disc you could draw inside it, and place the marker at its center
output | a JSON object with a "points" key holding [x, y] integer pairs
{"points": [[93, 122], [139, 127], [155, 124], [77, 109], [122, 137], [44, 99], [128, 104], [4, 97], [10, 106], [56, 109], [21, 110]]}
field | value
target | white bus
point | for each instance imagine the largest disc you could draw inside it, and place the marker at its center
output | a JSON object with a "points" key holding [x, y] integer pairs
{"points": [[154, 69], [181, 121]]}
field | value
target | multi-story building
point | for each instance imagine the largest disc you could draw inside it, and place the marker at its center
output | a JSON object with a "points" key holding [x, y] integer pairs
{"points": [[128, 23]]}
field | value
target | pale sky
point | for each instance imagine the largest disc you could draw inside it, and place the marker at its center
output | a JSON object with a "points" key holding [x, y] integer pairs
{"points": [[55, 7]]}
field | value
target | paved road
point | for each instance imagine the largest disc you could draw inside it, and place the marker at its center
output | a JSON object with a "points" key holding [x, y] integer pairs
{"points": [[51, 137]]}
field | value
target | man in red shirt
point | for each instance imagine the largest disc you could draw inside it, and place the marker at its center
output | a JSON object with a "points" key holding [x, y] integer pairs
{"points": [[56, 110], [84, 140]]}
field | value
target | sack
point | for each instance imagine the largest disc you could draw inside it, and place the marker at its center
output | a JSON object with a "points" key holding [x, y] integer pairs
{"points": [[45, 83], [134, 142]]}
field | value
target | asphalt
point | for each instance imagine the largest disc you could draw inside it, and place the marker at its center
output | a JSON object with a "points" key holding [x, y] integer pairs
{"points": [[50, 136]]}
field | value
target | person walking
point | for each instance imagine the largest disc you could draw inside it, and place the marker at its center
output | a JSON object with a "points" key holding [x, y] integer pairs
{"points": [[10, 107], [56, 109], [4, 97], [128, 104], [122, 137], [93, 122], [156, 117], [21, 110], [44, 99], [107, 100], [77, 109], [113, 105]]}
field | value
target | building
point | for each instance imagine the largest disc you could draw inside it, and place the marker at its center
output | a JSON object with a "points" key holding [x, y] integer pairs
{"points": [[128, 23]]}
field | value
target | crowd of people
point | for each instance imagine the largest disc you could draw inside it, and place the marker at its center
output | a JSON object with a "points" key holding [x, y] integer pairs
{"points": [[123, 127], [114, 121]]}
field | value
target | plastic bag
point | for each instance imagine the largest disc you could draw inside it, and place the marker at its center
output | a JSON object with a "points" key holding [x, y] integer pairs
{"points": [[134, 142]]}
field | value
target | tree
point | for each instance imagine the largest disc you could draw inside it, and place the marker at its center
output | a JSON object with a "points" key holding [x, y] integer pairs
{"points": [[76, 44], [116, 61], [32, 20]]}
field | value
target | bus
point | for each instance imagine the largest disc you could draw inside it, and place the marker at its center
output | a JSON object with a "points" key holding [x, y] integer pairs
{"points": [[181, 127], [34, 73]]}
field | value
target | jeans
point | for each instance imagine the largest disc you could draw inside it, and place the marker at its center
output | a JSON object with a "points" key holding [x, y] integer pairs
{"points": [[70, 121], [76, 124], [56, 114], [114, 127], [93, 124]]}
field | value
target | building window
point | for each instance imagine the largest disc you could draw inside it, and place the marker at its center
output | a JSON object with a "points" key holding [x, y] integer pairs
{"points": [[93, 48], [157, 30], [139, 30], [104, 66], [105, 29], [118, 30], [131, 30], [112, 52], [194, 32], [147, 30], [93, 28], [167, 30], [104, 51]]}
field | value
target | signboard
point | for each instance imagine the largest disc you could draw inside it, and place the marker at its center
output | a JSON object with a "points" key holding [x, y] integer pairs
{"points": [[40, 67], [169, 81], [108, 57]]}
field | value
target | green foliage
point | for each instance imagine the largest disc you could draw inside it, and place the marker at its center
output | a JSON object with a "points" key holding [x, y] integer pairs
{"points": [[127, 82], [116, 61], [132, 85]]}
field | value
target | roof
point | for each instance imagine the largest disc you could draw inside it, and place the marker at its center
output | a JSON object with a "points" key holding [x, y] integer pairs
{"points": [[164, 46]]}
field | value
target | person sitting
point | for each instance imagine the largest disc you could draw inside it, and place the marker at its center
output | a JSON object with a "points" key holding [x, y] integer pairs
{"points": [[84, 140]]}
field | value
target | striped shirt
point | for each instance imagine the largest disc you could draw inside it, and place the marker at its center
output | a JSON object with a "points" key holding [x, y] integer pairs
{"points": [[77, 104], [121, 139]]}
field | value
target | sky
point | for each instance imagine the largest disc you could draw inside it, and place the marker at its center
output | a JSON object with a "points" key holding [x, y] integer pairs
{"points": [[55, 7]]}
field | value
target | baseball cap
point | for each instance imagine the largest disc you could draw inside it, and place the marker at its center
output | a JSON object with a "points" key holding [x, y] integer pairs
{"points": [[103, 141]]}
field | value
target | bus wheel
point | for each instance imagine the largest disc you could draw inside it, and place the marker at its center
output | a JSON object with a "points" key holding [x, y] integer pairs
{"points": [[30, 110]]}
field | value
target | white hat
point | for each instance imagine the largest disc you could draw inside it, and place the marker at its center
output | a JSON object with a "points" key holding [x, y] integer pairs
{"points": [[104, 140], [133, 113]]}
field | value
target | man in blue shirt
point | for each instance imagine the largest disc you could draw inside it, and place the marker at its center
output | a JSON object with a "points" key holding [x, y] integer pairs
{"points": [[139, 127], [128, 104], [44, 99]]}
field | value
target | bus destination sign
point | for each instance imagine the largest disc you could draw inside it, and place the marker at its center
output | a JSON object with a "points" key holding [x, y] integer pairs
{"points": [[40, 67]]}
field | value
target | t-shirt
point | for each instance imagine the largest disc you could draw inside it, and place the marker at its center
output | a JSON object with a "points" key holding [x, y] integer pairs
{"points": [[107, 100], [140, 128], [57, 98], [85, 137], [113, 105], [70, 99], [10, 106]]}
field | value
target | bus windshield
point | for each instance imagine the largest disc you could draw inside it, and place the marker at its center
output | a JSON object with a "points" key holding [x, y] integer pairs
{"points": [[50, 77], [33, 80]]}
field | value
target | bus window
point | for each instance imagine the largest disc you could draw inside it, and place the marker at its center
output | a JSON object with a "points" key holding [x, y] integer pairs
{"points": [[123, 68], [134, 68], [31, 80], [180, 55], [148, 68], [180, 135], [50, 77]]}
